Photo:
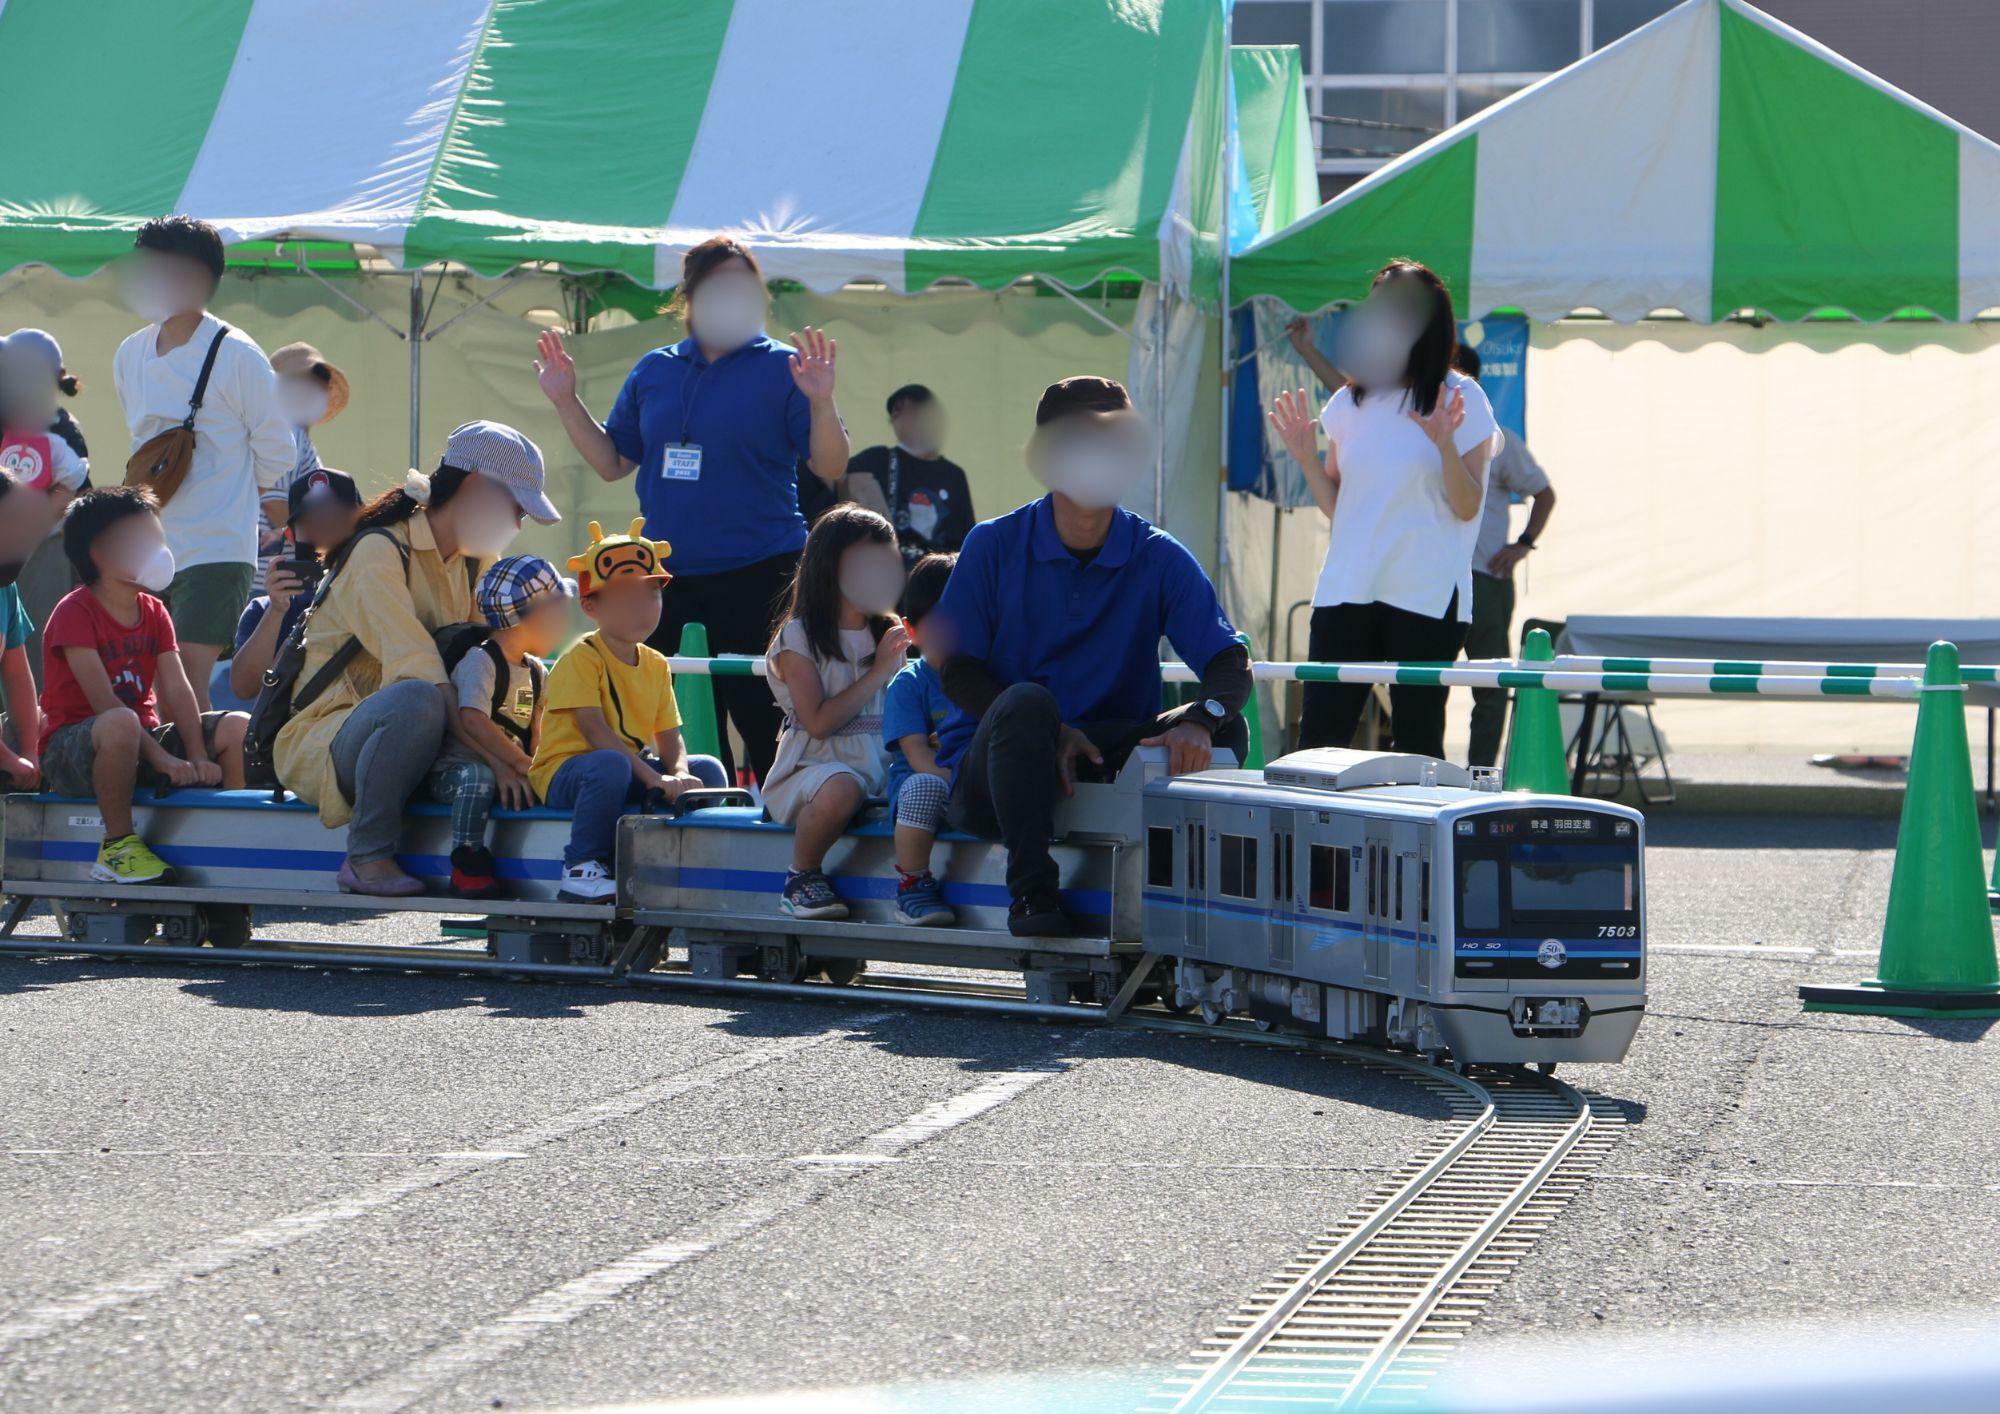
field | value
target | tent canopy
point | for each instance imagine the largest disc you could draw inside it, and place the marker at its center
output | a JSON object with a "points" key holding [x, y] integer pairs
{"points": [[1274, 134], [905, 141], [1710, 162]]}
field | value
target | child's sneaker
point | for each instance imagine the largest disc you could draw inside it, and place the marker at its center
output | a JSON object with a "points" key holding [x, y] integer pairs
{"points": [[126, 860], [472, 873], [809, 894], [920, 902], [588, 882]]}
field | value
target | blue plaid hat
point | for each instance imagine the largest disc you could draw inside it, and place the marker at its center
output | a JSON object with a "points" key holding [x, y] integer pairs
{"points": [[515, 585]]}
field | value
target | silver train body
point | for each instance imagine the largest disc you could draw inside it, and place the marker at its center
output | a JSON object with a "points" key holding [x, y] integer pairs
{"points": [[1357, 895]]}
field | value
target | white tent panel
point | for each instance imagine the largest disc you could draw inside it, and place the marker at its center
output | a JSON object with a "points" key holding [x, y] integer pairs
{"points": [[1978, 227], [344, 143], [1562, 221], [833, 131]]}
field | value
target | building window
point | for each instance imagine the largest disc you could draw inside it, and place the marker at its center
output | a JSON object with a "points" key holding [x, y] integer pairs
{"points": [[1614, 19], [1518, 36], [1386, 36], [1159, 857], [1379, 122], [1329, 878], [1275, 22], [1238, 864]]}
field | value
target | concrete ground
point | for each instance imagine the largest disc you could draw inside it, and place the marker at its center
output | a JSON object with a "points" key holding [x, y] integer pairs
{"points": [[241, 1189]]}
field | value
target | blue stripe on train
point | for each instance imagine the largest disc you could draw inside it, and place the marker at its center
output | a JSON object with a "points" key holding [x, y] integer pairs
{"points": [[1089, 902], [288, 861], [1469, 946]]}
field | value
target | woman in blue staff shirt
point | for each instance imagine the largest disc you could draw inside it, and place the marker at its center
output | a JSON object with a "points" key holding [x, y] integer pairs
{"points": [[716, 427]]}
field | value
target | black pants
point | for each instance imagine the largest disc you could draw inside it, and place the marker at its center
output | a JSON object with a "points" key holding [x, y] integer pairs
{"points": [[1489, 637], [1371, 633], [1007, 784], [739, 608]]}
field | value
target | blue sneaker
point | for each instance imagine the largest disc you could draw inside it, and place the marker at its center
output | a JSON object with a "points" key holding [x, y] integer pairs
{"points": [[920, 903], [809, 894]]}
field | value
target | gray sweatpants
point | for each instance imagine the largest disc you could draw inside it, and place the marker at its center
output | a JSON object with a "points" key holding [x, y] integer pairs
{"points": [[380, 756]]}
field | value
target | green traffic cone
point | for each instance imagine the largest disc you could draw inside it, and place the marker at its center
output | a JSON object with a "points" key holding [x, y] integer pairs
{"points": [[696, 695], [1536, 758], [1937, 940]]}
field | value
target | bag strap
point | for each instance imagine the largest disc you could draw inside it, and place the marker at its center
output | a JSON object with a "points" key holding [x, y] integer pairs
{"points": [[611, 686], [201, 383]]}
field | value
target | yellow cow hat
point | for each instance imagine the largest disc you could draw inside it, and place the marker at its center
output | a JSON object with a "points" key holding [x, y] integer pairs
{"points": [[619, 557]]}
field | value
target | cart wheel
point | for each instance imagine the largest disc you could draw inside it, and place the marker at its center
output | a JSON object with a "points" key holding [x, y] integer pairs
{"points": [[223, 925], [1212, 1014], [842, 971], [782, 965]]}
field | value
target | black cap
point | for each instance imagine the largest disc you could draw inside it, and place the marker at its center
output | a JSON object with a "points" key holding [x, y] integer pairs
{"points": [[318, 486], [1081, 395]]}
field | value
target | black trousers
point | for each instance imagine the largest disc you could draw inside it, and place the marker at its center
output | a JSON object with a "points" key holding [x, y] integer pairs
{"points": [[739, 608], [1007, 784], [1371, 633]]}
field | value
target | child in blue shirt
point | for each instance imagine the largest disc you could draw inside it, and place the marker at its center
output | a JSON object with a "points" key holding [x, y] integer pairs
{"points": [[913, 707]]}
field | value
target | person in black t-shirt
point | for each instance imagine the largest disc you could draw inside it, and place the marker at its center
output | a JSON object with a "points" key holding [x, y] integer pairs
{"points": [[924, 493]]}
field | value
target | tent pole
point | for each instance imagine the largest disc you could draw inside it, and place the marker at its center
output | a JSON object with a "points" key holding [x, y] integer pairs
{"points": [[416, 365], [1160, 407], [1277, 553], [1228, 361]]}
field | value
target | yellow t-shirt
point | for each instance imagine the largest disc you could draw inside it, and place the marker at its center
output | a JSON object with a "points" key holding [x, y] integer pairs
{"points": [[637, 699]]}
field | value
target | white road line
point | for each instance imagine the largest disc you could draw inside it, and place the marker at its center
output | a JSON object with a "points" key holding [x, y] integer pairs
{"points": [[1756, 950], [224, 1252], [815, 1176]]}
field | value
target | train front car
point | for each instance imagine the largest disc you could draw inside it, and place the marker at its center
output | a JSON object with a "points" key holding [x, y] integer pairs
{"points": [[1396, 900]]}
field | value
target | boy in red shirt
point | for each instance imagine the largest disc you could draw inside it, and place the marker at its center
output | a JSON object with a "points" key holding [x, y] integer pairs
{"points": [[104, 648]]}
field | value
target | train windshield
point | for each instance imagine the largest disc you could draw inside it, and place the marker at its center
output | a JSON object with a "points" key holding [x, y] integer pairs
{"points": [[1550, 879]]}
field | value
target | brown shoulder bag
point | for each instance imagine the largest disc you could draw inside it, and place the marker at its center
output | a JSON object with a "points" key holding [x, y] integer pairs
{"points": [[162, 461]]}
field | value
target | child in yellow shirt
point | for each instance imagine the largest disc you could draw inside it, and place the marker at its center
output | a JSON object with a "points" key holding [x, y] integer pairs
{"points": [[611, 731]]}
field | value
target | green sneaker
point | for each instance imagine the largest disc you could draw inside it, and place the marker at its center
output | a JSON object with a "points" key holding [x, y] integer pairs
{"points": [[127, 861]]}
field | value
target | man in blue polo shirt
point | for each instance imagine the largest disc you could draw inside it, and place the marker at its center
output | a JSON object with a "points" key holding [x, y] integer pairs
{"points": [[1056, 611]]}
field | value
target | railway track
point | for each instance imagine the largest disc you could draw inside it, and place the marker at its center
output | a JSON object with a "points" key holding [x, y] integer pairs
{"points": [[1365, 1315], [1362, 1318]]}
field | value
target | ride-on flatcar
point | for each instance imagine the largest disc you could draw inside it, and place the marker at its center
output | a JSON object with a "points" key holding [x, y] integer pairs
{"points": [[1369, 896]]}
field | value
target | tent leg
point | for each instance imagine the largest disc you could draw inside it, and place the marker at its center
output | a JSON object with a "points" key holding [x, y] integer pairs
{"points": [[416, 365], [1277, 550]]}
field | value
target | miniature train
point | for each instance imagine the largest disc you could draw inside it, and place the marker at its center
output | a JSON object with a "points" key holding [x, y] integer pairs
{"points": [[1390, 899]]}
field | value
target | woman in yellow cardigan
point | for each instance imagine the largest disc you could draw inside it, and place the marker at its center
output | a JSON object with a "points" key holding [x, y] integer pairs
{"points": [[361, 748]]}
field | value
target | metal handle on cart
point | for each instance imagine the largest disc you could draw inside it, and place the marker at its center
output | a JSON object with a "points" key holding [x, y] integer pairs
{"points": [[705, 798]]}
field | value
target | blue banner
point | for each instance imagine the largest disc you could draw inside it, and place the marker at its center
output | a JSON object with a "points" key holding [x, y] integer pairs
{"points": [[1259, 463]]}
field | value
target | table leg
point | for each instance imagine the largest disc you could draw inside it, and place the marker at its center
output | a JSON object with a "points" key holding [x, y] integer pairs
{"points": [[1589, 725]]}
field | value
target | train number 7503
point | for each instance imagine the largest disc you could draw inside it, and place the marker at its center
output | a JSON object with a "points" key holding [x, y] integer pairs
{"points": [[1617, 930]]}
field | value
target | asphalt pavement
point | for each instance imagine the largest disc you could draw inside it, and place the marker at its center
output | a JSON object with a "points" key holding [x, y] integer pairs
{"points": [[267, 1189]]}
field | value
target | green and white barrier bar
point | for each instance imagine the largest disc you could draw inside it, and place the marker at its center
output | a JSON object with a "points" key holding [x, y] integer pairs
{"points": [[1722, 667], [1560, 679]]}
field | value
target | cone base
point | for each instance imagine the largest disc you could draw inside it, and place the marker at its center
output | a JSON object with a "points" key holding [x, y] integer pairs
{"points": [[1875, 999]]}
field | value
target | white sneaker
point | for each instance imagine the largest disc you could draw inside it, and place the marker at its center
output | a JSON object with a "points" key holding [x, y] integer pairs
{"points": [[588, 882]]}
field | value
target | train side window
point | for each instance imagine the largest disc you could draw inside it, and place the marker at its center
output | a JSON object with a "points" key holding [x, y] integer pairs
{"points": [[1329, 878], [1372, 851], [1399, 888], [1239, 866], [1281, 868], [1197, 857], [1159, 856], [1424, 892]]}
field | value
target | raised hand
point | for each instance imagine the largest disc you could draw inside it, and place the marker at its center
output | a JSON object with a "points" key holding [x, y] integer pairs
{"points": [[555, 370], [1292, 415], [1446, 415], [812, 365]]}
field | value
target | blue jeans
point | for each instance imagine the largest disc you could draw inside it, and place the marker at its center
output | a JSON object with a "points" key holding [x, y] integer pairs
{"points": [[596, 788]]}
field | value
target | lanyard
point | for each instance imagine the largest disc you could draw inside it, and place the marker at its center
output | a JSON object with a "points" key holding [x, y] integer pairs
{"points": [[898, 512], [688, 388]]}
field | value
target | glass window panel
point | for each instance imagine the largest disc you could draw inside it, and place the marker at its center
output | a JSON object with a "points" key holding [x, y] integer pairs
{"points": [[1274, 22], [1479, 895], [1160, 857], [1613, 19], [1476, 94], [1383, 37], [1378, 122], [1517, 36]]}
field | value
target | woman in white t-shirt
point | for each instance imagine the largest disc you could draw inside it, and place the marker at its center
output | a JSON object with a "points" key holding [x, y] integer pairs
{"points": [[1403, 482]]}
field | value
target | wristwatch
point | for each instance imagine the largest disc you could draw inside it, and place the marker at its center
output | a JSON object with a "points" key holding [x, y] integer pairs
{"points": [[1526, 542], [1209, 713]]}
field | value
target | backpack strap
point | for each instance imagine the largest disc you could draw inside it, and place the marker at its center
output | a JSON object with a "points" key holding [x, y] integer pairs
{"points": [[201, 383], [611, 687]]}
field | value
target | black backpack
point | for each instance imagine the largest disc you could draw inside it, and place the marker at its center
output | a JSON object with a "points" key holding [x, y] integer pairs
{"points": [[282, 696], [455, 641]]}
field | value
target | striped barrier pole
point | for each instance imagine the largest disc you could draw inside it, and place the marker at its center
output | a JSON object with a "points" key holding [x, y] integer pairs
{"points": [[1477, 675], [1723, 667]]}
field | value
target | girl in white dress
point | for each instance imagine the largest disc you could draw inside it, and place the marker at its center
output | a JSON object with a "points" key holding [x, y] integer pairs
{"points": [[838, 644]]}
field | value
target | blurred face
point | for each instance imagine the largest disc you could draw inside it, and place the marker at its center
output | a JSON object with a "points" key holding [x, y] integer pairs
{"points": [[871, 577], [484, 517], [326, 526], [134, 551], [302, 399], [728, 307], [157, 286], [627, 607], [27, 389], [920, 427], [931, 639], [1093, 459], [546, 625]]}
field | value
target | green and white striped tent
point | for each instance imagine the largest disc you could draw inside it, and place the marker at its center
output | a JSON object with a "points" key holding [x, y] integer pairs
{"points": [[1711, 162], [1274, 134], [905, 141]]}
